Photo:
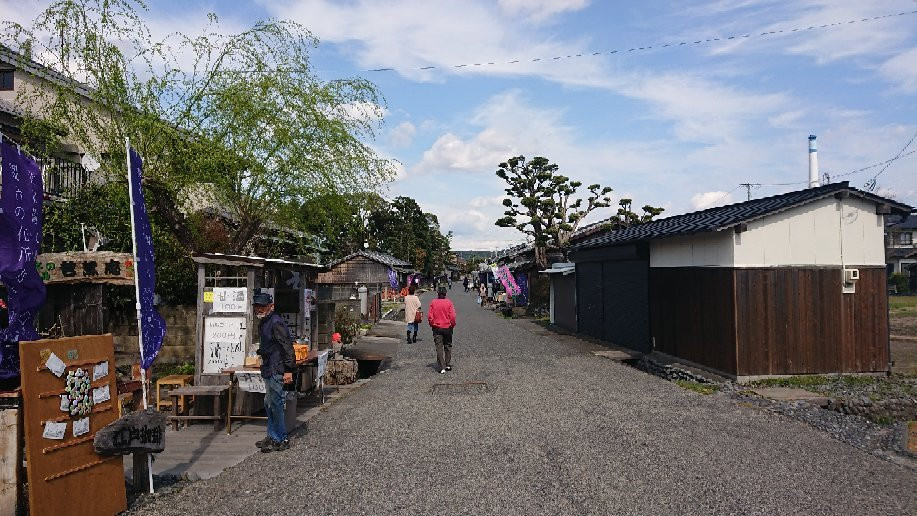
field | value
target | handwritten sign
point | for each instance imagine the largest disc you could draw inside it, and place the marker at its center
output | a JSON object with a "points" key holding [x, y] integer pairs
{"points": [[250, 382], [230, 300], [100, 370], [54, 430], [80, 427], [224, 343], [101, 394]]}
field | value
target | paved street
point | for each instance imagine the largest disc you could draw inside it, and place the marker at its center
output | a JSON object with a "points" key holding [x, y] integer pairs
{"points": [[557, 431]]}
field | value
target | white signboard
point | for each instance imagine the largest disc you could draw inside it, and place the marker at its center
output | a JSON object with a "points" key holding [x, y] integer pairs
{"points": [[230, 300], [251, 382], [224, 343]]}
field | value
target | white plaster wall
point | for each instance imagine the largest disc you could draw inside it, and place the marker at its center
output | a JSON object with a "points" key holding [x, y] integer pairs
{"points": [[824, 232], [702, 250]]}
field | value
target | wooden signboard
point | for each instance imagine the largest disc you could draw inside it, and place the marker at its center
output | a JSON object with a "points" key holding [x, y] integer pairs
{"points": [[92, 267], [69, 392]]}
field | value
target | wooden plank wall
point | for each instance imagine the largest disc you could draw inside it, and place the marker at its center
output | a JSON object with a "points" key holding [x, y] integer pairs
{"points": [[798, 321], [692, 315]]}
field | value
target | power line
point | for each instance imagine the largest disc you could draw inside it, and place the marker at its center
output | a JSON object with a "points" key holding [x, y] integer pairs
{"points": [[606, 52], [871, 184]]}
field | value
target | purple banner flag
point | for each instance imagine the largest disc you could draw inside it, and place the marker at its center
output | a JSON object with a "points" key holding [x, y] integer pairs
{"points": [[20, 238], [152, 325], [393, 279]]}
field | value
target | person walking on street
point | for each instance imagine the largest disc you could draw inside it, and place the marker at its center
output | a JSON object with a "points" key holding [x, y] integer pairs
{"points": [[441, 317], [411, 308], [482, 291], [277, 365]]}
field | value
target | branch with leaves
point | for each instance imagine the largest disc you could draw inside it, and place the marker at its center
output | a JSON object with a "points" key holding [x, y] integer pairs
{"points": [[542, 203]]}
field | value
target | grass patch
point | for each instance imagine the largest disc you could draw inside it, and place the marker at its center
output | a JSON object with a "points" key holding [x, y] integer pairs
{"points": [[902, 305], [874, 387], [700, 388]]}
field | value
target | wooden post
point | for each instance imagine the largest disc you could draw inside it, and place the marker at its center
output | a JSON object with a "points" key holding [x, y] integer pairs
{"points": [[199, 326], [141, 472], [10, 460]]}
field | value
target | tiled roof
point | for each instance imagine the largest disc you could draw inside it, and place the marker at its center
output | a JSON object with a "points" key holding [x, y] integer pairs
{"points": [[902, 252], [725, 217], [906, 222], [385, 259]]}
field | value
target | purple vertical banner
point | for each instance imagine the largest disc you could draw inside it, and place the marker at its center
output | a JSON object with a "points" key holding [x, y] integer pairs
{"points": [[393, 278], [20, 239], [152, 325], [522, 279]]}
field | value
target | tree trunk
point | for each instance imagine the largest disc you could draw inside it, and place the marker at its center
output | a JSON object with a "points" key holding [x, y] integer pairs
{"points": [[541, 256]]}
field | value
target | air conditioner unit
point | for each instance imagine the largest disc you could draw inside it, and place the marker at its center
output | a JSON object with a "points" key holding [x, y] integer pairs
{"points": [[851, 275]]}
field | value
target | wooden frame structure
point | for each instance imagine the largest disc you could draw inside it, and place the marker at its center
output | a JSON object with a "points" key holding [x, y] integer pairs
{"points": [[288, 281]]}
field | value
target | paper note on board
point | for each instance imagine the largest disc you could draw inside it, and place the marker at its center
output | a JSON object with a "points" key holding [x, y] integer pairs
{"points": [[100, 394], [54, 430], [64, 403], [80, 427], [56, 365], [100, 370], [208, 297]]}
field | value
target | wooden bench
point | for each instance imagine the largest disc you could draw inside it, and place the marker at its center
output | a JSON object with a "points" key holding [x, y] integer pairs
{"points": [[217, 392]]}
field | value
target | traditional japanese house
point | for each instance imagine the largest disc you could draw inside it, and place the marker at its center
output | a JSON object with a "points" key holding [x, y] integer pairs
{"points": [[788, 284], [369, 270]]}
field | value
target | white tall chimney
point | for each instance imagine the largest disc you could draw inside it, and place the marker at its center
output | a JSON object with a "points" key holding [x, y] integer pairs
{"points": [[813, 162]]}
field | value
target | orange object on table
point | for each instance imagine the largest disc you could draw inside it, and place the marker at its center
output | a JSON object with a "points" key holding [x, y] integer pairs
{"points": [[301, 351]]}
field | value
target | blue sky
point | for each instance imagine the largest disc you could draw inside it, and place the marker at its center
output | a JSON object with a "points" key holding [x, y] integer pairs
{"points": [[678, 126]]}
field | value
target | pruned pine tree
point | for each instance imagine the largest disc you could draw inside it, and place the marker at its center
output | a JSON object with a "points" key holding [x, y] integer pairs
{"points": [[541, 203]]}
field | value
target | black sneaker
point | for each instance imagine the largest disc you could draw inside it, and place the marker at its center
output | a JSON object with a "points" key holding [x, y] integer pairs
{"points": [[282, 445], [264, 442], [270, 446], [448, 368]]}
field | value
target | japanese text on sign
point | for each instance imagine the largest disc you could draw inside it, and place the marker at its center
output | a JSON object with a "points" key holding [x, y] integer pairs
{"points": [[224, 343]]}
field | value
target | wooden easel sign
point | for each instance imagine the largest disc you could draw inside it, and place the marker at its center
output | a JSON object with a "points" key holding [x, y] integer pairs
{"points": [[69, 392]]}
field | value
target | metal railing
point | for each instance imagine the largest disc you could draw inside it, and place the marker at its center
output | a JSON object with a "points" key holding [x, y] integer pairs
{"points": [[61, 177]]}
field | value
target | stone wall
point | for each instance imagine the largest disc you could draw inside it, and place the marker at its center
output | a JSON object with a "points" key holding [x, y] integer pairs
{"points": [[178, 346]]}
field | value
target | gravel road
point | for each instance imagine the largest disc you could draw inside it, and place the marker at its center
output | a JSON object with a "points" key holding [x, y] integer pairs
{"points": [[558, 431]]}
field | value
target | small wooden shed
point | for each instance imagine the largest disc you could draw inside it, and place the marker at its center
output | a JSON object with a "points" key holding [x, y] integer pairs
{"points": [[368, 269], [789, 284], [226, 329]]}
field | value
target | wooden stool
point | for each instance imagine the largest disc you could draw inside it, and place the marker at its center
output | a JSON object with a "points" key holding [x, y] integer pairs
{"points": [[170, 382], [217, 392]]}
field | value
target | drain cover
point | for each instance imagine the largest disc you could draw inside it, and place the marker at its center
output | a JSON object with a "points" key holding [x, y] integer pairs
{"points": [[460, 388]]}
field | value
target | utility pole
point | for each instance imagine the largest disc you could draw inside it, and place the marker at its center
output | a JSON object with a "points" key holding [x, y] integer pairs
{"points": [[748, 188]]}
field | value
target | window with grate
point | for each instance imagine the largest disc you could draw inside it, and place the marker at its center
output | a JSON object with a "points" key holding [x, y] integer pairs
{"points": [[906, 238], [6, 80]]}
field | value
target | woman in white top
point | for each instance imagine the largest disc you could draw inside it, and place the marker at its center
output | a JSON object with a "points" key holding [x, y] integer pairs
{"points": [[411, 307]]}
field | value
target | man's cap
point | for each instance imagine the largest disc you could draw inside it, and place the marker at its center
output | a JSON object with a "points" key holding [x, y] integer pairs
{"points": [[442, 290], [263, 299]]}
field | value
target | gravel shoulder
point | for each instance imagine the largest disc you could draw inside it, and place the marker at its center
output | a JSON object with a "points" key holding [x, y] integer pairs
{"points": [[558, 430]]}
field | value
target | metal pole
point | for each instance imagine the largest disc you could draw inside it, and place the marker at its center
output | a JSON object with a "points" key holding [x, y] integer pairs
{"points": [[143, 379]]}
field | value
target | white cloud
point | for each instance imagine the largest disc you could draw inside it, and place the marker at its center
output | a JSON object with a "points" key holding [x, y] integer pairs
{"points": [[706, 200], [541, 9], [402, 134], [481, 202], [412, 34], [362, 111], [901, 71]]}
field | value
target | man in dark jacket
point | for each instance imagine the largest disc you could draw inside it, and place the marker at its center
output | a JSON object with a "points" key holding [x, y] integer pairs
{"points": [[277, 365]]}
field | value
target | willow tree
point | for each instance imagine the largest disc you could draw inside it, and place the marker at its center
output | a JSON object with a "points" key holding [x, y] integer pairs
{"points": [[237, 122]]}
